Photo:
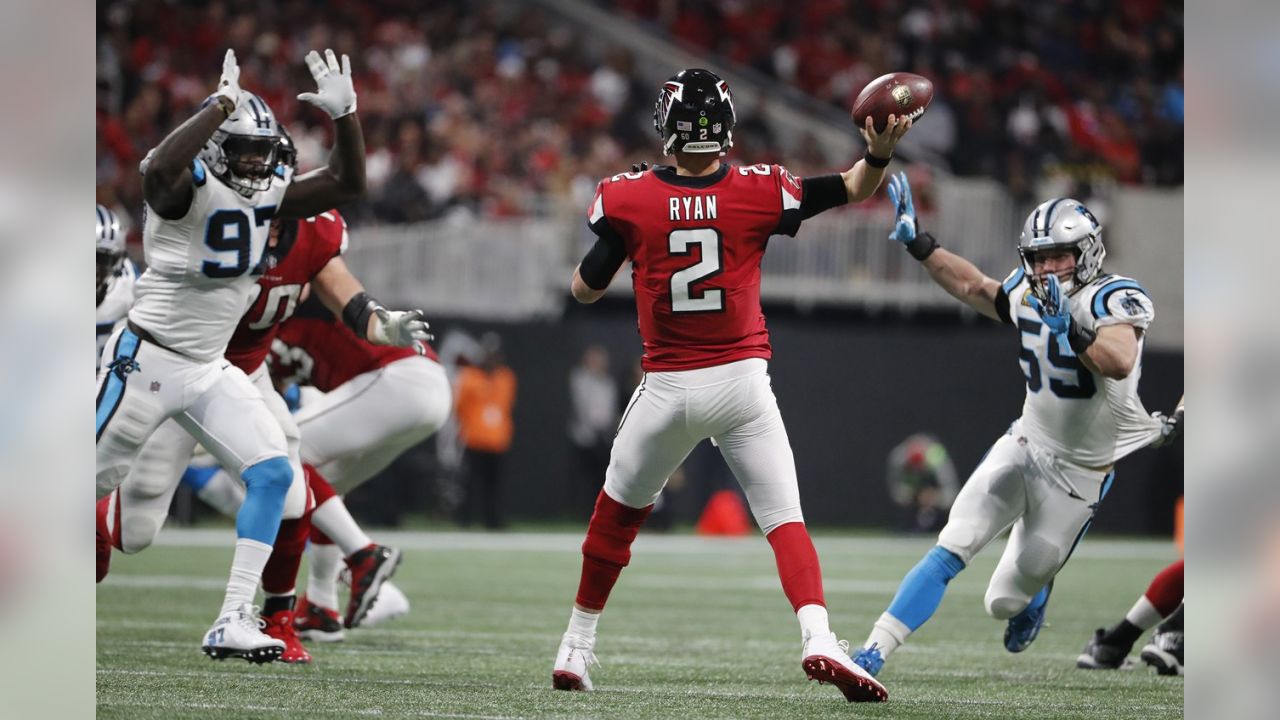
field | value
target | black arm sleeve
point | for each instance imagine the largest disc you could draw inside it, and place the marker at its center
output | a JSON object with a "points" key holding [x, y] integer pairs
{"points": [[1002, 306], [602, 261], [822, 193]]}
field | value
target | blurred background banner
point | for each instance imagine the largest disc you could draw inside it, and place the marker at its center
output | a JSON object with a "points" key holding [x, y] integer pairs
{"points": [[489, 124]]}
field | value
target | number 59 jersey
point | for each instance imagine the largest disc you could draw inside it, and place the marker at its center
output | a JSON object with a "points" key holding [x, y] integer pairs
{"points": [[695, 245], [198, 277], [1081, 416]]}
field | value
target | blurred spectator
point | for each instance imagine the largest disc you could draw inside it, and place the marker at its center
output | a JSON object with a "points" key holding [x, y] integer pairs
{"points": [[593, 397], [922, 481], [485, 396], [496, 109]]}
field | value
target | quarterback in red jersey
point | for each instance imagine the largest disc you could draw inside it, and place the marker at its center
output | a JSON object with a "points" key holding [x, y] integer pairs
{"points": [[371, 403], [300, 252], [695, 233]]}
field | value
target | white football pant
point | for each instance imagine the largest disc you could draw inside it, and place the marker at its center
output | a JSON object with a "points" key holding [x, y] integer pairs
{"points": [[1048, 501], [734, 405], [354, 432], [147, 492]]}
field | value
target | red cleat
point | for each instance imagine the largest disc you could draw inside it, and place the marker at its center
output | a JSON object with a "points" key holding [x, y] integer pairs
{"points": [[280, 626], [317, 623], [370, 568]]}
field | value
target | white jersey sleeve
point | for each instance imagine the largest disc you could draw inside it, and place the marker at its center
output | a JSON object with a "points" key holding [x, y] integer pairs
{"points": [[116, 303], [202, 267], [1081, 416]]}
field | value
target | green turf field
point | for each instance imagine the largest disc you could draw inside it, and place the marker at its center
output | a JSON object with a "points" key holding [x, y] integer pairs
{"points": [[695, 629]]}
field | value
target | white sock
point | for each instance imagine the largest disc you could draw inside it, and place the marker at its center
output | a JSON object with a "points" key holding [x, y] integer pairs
{"points": [[333, 520], [813, 621], [583, 624], [322, 581], [888, 634], [223, 493], [246, 572], [1144, 614]]}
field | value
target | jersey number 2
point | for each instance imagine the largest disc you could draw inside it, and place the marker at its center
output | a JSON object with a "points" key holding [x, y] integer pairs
{"points": [[228, 231], [683, 298]]}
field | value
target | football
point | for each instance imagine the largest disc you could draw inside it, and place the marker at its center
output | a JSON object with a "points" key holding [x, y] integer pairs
{"points": [[898, 94]]}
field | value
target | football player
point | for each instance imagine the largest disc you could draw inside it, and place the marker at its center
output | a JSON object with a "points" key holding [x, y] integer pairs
{"points": [[298, 253], [210, 195], [1082, 335], [371, 404], [695, 233], [1109, 648], [115, 274]]}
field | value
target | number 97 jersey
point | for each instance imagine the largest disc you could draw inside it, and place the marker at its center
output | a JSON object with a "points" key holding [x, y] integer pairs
{"points": [[695, 245], [199, 267], [1083, 417]]}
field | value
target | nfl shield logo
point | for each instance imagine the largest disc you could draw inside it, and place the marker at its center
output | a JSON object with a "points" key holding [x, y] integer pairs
{"points": [[155, 386]]}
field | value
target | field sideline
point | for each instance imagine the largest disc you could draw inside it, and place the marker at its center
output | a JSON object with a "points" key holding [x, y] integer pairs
{"points": [[696, 629]]}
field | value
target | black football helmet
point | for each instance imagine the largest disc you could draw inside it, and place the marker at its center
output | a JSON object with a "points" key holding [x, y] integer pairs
{"points": [[694, 113]]}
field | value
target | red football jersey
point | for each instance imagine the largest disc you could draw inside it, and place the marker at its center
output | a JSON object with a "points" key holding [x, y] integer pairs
{"points": [[315, 348], [319, 240], [695, 246]]}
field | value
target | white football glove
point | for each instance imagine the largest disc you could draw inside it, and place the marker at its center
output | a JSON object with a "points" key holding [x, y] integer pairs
{"points": [[336, 96], [401, 328], [1171, 426], [229, 84]]}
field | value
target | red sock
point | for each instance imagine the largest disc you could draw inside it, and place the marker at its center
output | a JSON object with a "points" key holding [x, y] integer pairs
{"points": [[281, 573], [1165, 592], [607, 549], [798, 566]]}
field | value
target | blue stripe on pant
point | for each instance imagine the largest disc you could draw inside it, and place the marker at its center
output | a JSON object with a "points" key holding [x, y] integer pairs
{"points": [[117, 375]]}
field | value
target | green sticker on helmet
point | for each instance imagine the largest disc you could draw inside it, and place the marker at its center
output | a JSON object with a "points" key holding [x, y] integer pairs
{"points": [[702, 121]]}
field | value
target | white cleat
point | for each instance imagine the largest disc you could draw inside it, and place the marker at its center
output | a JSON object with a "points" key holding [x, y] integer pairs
{"points": [[570, 672], [390, 604], [238, 634], [827, 660]]}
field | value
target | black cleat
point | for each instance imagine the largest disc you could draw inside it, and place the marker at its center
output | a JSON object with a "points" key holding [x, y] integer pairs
{"points": [[1100, 655]]}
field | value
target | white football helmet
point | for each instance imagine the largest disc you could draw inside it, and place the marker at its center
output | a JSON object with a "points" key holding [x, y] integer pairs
{"points": [[1059, 223], [110, 245], [243, 152]]}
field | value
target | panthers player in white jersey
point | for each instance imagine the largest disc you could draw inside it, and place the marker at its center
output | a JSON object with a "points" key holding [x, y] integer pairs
{"points": [[1082, 336], [115, 276], [210, 197]]}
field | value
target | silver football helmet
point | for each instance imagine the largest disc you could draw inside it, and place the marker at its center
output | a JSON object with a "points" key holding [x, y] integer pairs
{"points": [[1063, 223], [244, 150], [110, 245]]}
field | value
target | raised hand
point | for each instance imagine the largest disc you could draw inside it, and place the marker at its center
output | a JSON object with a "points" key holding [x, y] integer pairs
{"points": [[336, 94], [904, 231], [229, 83], [881, 144], [1055, 309]]}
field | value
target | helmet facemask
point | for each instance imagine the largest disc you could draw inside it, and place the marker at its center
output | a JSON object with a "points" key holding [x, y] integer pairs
{"points": [[110, 247], [244, 151]]}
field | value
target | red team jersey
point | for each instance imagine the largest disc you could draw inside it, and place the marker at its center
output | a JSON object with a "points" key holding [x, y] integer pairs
{"points": [[319, 240], [695, 246], [315, 348]]}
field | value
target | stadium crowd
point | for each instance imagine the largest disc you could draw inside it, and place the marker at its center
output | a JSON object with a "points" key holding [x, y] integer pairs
{"points": [[497, 110]]}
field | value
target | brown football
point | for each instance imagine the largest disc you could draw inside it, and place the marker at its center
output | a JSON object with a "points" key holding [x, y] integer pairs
{"points": [[898, 94]]}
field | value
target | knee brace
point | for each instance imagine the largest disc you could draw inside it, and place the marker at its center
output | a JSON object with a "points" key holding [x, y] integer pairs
{"points": [[266, 485]]}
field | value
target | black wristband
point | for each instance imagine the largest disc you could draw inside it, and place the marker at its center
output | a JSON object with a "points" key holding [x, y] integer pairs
{"points": [[923, 246], [356, 313], [1080, 338], [876, 162]]}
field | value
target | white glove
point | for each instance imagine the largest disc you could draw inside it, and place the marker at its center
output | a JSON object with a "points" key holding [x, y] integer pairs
{"points": [[337, 96], [401, 328], [1170, 428], [229, 84]]}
